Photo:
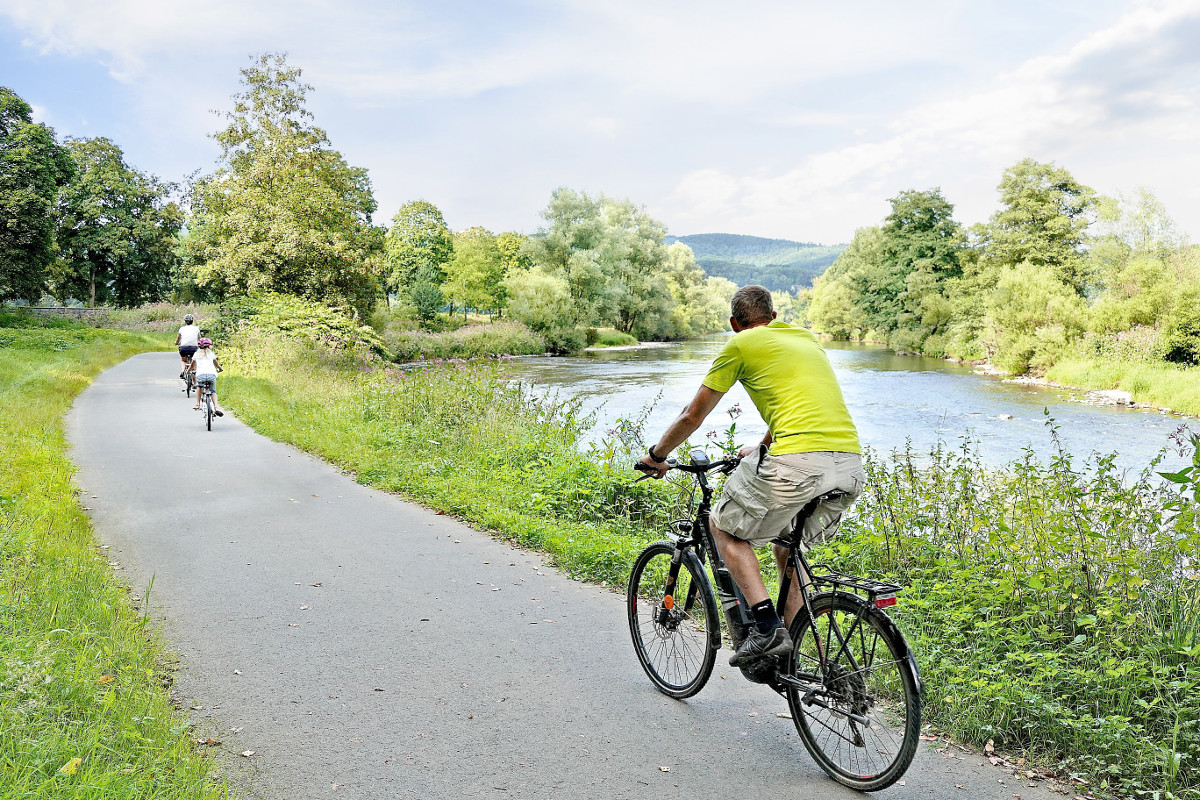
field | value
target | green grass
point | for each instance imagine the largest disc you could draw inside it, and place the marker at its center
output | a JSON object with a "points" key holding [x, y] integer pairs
{"points": [[81, 675], [472, 341], [1155, 384], [609, 337], [1052, 608]]}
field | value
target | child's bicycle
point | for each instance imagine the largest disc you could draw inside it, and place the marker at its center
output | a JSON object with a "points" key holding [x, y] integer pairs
{"points": [[851, 682]]}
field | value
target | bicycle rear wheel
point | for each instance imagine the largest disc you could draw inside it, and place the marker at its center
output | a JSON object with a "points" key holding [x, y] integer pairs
{"points": [[676, 634], [208, 409], [187, 385], [860, 717]]}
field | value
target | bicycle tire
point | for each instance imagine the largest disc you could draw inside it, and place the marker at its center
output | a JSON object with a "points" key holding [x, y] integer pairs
{"points": [[208, 409], [885, 692], [187, 384], [676, 646]]}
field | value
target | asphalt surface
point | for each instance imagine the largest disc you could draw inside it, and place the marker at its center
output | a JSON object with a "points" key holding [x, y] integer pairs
{"points": [[355, 645]]}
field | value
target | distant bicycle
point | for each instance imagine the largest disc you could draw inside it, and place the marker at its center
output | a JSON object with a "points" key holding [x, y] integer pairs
{"points": [[189, 382], [851, 682]]}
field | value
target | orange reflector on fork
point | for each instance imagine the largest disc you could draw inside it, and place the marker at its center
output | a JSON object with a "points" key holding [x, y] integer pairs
{"points": [[669, 602]]}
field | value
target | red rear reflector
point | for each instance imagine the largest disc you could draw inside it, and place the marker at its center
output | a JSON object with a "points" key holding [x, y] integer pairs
{"points": [[884, 602]]}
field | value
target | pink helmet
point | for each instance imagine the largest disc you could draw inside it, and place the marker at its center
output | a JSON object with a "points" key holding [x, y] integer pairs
{"points": [[205, 342]]}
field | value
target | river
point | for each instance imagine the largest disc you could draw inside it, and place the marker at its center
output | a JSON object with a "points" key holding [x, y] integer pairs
{"points": [[892, 398]]}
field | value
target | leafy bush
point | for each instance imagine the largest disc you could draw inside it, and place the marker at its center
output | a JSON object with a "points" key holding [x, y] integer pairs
{"points": [[1053, 608], [611, 338], [565, 340], [308, 321], [501, 338]]}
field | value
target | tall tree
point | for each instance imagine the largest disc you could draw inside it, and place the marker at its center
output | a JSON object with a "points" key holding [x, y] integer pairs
{"points": [[1044, 221], [284, 211], [33, 167], [475, 276], [417, 248], [117, 230], [568, 247]]}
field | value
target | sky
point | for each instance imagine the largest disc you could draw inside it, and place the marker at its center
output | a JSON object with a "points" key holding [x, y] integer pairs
{"points": [[788, 119]]}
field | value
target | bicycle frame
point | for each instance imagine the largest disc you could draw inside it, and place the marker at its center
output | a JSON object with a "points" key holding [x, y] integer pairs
{"points": [[698, 535]]}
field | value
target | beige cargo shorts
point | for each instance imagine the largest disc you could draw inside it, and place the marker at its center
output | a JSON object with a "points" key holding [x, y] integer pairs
{"points": [[761, 498]]}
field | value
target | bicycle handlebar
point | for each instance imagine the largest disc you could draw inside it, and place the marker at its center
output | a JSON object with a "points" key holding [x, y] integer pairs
{"points": [[724, 465]]}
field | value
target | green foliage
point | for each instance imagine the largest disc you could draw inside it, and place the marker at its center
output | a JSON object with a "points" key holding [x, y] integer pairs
{"points": [[499, 339], [333, 330], [82, 674], [33, 166], [1026, 290], [701, 302], [417, 250], [1181, 331], [608, 338], [778, 264], [1052, 607], [475, 275], [117, 231], [1044, 221], [284, 212], [1033, 316]]}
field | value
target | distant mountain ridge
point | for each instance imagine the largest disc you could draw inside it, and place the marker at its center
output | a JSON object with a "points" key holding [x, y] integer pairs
{"points": [[778, 264]]}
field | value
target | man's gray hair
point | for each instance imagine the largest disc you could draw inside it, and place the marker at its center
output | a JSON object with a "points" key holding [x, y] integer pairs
{"points": [[751, 304]]}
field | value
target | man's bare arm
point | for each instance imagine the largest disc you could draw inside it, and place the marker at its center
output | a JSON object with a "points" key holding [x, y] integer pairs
{"points": [[684, 426]]}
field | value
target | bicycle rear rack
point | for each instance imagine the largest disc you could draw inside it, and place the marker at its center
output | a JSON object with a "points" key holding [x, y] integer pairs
{"points": [[878, 592]]}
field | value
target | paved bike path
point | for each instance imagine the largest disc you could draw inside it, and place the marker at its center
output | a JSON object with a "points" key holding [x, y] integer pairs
{"points": [[365, 647]]}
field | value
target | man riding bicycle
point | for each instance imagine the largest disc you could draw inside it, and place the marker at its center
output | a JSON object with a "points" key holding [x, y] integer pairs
{"points": [[811, 448]]}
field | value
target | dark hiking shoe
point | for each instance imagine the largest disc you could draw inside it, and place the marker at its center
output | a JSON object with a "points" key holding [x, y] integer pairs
{"points": [[775, 643]]}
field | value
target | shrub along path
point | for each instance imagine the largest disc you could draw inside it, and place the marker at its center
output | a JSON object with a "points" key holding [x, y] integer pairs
{"points": [[349, 644]]}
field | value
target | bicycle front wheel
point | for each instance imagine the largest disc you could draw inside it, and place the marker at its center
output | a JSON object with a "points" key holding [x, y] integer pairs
{"points": [[676, 631], [860, 715]]}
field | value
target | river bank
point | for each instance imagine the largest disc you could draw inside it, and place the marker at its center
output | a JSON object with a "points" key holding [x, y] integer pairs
{"points": [[1144, 384]]}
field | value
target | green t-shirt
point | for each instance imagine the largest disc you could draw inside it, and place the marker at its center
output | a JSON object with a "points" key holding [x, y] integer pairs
{"points": [[788, 376]]}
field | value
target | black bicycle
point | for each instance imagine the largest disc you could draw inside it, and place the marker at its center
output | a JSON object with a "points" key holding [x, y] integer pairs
{"points": [[189, 382], [851, 682]]}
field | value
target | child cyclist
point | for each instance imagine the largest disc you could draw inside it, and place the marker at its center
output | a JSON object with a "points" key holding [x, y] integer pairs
{"points": [[206, 367]]}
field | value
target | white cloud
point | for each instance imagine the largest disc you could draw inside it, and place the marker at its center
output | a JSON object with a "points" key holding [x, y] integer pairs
{"points": [[1050, 107]]}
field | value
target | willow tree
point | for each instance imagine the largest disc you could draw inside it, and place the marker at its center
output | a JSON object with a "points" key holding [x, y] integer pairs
{"points": [[283, 211]]}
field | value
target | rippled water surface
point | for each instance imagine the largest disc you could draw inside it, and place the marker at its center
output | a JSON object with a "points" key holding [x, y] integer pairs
{"points": [[892, 399]]}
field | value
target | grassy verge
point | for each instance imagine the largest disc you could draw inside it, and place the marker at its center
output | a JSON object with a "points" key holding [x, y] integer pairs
{"points": [[1054, 609], [1155, 384], [502, 338], [83, 708]]}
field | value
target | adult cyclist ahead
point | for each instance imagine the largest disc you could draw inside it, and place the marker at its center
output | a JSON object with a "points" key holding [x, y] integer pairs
{"points": [[811, 448], [187, 341]]}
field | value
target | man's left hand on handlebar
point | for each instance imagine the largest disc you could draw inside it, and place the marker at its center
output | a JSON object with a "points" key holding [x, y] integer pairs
{"points": [[654, 469]]}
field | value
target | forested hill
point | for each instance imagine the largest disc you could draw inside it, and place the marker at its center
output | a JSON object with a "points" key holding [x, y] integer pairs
{"points": [[778, 264]]}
